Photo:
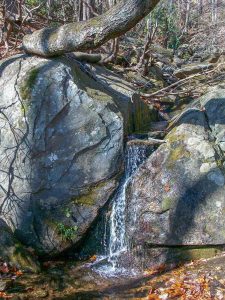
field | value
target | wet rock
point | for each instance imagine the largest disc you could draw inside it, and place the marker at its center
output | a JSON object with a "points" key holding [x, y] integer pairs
{"points": [[177, 197], [159, 126], [61, 148], [148, 142]]}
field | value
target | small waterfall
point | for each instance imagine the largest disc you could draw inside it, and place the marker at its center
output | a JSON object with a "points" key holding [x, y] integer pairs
{"points": [[115, 261], [135, 155]]}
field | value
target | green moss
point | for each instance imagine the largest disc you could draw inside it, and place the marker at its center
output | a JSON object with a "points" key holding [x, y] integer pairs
{"points": [[177, 149], [97, 94], [87, 200], [63, 233], [172, 137], [28, 83], [24, 259], [161, 50], [186, 56], [167, 203], [177, 153], [90, 197], [67, 232], [220, 162], [142, 116]]}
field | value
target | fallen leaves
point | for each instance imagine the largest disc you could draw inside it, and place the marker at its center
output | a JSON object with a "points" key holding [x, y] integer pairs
{"points": [[4, 296], [184, 288], [8, 274], [157, 270], [4, 268], [8, 270], [93, 258], [195, 280], [153, 297]]}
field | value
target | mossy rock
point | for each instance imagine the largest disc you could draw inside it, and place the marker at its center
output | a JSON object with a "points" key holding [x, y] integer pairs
{"points": [[167, 203], [28, 83], [14, 252]]}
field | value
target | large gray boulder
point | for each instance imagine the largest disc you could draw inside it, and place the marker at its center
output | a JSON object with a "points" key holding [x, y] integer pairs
{"points": [[61, 148], [177, 197]]}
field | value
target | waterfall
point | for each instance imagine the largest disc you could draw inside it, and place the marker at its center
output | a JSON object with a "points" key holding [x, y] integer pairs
{"points": [[118, 244], [113, 263]]}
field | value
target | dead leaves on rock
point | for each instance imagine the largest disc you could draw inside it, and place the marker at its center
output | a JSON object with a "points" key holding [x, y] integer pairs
{"points": [[8, 270], [8, 274], [93, 258], [157, 270], [187, 287], [4, 296]]}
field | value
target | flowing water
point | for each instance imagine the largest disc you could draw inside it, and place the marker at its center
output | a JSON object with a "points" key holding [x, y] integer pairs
{"points": [[118, 245]]}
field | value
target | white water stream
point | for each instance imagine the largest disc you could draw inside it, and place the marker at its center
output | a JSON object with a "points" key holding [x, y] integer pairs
{"points": [[118, 243]]}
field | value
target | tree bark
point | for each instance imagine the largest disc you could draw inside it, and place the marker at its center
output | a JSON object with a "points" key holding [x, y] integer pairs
{"points": [[90, 34]]}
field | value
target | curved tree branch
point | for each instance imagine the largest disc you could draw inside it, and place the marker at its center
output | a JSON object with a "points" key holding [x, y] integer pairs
{"points": [[90, 34]]}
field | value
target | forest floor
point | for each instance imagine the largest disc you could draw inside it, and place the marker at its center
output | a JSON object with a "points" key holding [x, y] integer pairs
{"points": [[202, 279]]}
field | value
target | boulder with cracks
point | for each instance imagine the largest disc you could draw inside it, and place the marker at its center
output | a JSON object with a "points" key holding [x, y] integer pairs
{"points": [[176, 200], [61, 133]]}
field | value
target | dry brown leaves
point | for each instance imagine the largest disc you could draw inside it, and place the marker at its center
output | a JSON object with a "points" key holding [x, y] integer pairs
{"points": [[8, 273], [93, 258], [7, 270], [185, 288], [4, 296]]}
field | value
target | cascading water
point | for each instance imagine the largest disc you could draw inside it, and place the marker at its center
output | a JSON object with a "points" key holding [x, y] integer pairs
{"points": [[135, 155], [118, 243]]}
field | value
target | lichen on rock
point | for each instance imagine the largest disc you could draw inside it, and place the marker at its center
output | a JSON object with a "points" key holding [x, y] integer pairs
{"points": [[178, 193], [62, 133]]}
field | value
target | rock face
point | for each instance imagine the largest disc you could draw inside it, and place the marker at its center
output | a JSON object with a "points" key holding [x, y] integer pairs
{"points": [[177, 197], [61, 148], [12, 251]]}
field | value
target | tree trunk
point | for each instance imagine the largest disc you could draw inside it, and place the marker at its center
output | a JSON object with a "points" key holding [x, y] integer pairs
{"points": [[91, 34]]}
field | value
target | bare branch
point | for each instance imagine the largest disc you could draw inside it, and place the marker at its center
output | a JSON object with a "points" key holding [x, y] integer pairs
{"points": [[91, 34]]}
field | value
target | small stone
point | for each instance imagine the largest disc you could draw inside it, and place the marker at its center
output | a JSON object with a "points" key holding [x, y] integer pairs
{"points": [[206, 167], [222, 146], [217, 177], [206, 149]]}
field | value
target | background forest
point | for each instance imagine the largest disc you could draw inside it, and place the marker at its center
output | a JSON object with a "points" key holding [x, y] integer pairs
{"points": [[171, 24], [174, 34]]}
